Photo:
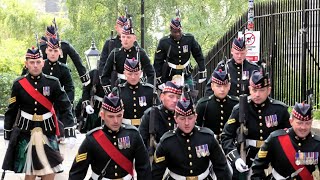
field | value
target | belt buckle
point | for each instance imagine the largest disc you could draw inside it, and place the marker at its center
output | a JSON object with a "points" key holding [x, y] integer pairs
{"points": [[192, 178], [36, 117], [179, 66], [135, 122], [259, 143]]}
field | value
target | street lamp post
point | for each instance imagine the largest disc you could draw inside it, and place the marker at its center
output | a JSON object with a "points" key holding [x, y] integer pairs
{"points": [[92, 56]]}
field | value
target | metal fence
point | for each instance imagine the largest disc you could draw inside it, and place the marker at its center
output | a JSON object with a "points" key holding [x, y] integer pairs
{"points": [[289, 44]]}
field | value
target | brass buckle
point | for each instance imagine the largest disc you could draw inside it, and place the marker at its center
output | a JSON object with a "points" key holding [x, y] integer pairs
{"points": [[259, 143], [135, 122], [179, 67], [192, 178], [36, 117]]}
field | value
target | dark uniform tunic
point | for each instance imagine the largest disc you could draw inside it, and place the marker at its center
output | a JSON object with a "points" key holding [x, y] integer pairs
{"points": [[213, 112], [48, 86], [136, 99], [93, 92], [235, 72], [106, 51], [68, 49], [272, 152], [256, 122], [179, 54], [91, 153], [163, 122], [118, 57], [178, 152]]}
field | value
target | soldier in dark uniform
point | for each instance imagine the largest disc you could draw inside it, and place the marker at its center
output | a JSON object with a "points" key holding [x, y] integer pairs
{"points": [[173, 53], [264, 116], [137, 96], [31, 124], [163, 120], [189, 150], [118, 56], [111, 149], [293, 153], [214, 111], [66, 50], [92, 98], [116, 43], [237, 67]]}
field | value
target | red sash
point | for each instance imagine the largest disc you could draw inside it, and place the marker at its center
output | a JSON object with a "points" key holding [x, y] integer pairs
{"points": [[113, 152], [41, 99], [290, 153]]}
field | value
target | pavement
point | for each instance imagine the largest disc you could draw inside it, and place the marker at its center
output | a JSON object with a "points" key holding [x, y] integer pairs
{"points": [[69, 154]]}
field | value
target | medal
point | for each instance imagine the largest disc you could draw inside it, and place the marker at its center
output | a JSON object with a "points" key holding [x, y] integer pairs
{"points": [[144, 101], [297, 161], [198, 152], [120, 146], [185, 48]]}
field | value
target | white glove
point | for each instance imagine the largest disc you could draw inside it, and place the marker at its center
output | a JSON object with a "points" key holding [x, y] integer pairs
{"points": [[202, 80], [89, 109], [6, 144], [70, 142], [161, 86], [241, 165]]}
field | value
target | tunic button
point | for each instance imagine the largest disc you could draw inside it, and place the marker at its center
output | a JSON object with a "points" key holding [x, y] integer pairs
{"points": [[179, 52], [221, 118], [51, 73], [238, 85], [115, 166], [35, 109], [261, 131], [261, 138], [221, 112], [169, 118], [134, 98], [299, 144], [238, 67], [221, 105], [238, 72], [115, 174], [188, 140], [35, 83], [259, 111], [221, 124], [221, 129], [36, 89], [127, 55], [238, 91], [191, 171], [189, 148], [178, 46], [114, 137], [135, 116], [260, 124], [134, 110], [134, 92], [260, 117], [115, 143], [170, 124], [190, 163], [190, 156], [35, 102], [51, 68], [134, 104], [180, 60], [238, 79]]}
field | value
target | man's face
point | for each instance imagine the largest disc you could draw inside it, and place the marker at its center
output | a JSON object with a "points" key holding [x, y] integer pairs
{"points": [[176, 34], [112, 120], [186, 123], [238, 56], [34, 66], [132, 77], [169, 100], [127, 41], [220, 91], [119, 29], [258, 96], [301, 128], [52, 54]]}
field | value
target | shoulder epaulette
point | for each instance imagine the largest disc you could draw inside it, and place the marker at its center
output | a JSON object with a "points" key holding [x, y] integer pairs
{"points": [[127, 126], [234, 98], [279, 132], [205, 130], [167, 135], [148, 85], [93, 130], [204, 99], [16, 80], [273, 101], [316, 137]]}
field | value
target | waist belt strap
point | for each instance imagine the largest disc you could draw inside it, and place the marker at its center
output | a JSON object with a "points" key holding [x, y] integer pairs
{"points": [[113, 152], [289, 151], [276, 175], [202, 176], [35, 117], [95, 176], [41, 99], [134, 122], [254, 143], [179, 66]]}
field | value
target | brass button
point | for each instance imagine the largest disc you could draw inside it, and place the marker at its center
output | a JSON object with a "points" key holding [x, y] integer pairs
{"points": [[261, 138], [179, 52], [35, 109], [238, 91], [114, 137], [180, 60], [178, 46], [127, 55], [238, 67], [221, 124], [260, 117], [35, 102], [190, 163], [134, 110], [135, 116], [191, 171], [35, 83], [36, 89], [221, 105], [238, 79], [134, 92], [221, 112], [299, 144], [134, 98], [238, 85], [259, 111], [51, 73], [134, 104], [238, 72], [169, 118], [115, 174], [170, 124], [115, 166], [221, 129], [260, 124], [190, 156], [51, 68], [179, 56], [189, 148], [221, 118], [115, 143], [261, 131], [188, 140]]}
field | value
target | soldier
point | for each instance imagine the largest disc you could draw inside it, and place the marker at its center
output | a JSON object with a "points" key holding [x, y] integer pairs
{"points": [[214, 111], [237, 67], [264, 116], [136, 95], [163, 120], [66, 49], [293, 153], [189, 150], [173, 56], [115, 42], [117, 57], [31, 124], [111, 149]]}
